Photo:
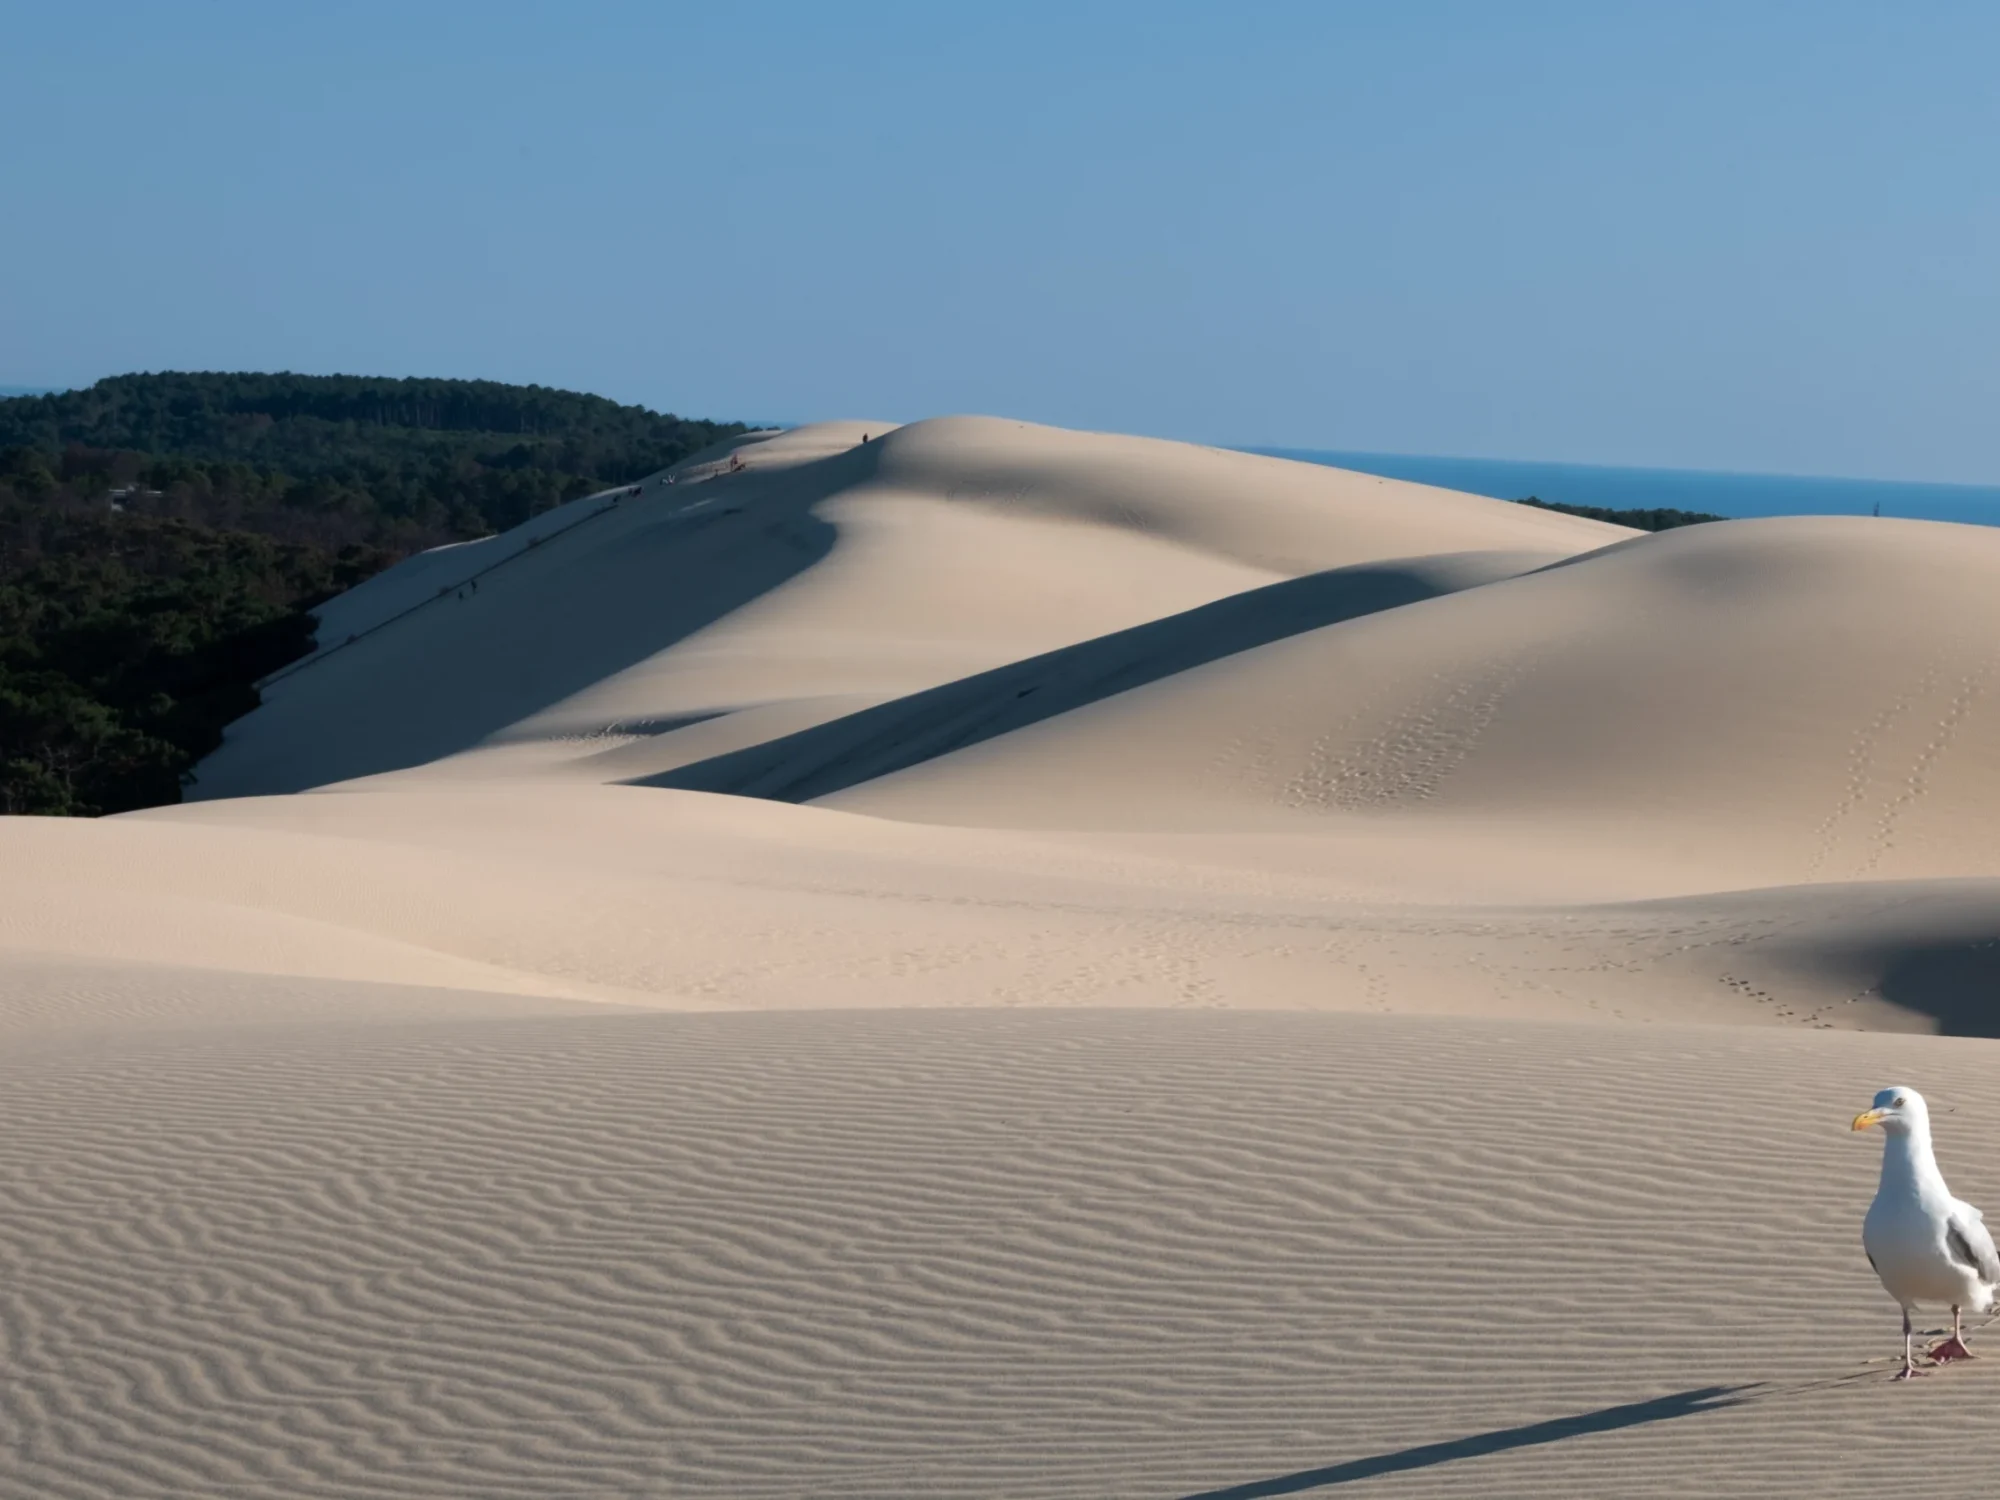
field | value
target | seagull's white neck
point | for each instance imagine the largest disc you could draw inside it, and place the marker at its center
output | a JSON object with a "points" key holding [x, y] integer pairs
{"points": [[1908, 1164]]}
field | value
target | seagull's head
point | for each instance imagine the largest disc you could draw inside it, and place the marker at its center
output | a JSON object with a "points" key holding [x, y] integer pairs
{"points": [[1898, 1111]]}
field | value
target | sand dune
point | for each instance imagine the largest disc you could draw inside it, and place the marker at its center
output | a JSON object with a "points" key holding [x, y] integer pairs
{"points": [[1647, 692], [827, 573], [695, 902], [875, 741], [1003, 962]]}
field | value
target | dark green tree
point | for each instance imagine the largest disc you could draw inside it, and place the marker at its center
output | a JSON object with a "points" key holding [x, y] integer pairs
{"points": [[162, 537], [1655, 519]]}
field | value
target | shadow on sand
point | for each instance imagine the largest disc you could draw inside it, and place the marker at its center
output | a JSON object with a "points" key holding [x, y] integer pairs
{"points": [[1954, 979], [894, 736], [696, 554], [1605, 1419]]}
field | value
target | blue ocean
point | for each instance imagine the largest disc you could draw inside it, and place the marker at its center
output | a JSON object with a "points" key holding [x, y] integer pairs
{"points": [[1722, 494]]}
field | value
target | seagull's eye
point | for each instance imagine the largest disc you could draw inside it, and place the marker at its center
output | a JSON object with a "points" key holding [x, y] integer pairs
{"points": [[1896, 1104]]}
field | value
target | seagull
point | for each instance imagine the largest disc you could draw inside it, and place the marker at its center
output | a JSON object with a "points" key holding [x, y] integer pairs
{"points": [[1925, 1245]]}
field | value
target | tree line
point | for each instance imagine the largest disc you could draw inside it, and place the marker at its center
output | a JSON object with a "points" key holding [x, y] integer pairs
{"points": [[1652, 518], [162, 538]]}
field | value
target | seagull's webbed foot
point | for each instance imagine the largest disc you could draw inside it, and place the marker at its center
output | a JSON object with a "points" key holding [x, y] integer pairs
{"points": [[1951, 1349], [1908, 1372]]}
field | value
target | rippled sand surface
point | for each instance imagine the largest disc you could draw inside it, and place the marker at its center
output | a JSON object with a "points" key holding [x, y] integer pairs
{"points": [[1077, 1253]]}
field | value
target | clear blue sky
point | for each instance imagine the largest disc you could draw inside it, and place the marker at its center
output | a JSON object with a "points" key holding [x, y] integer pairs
{"points": [[1742, 235]]}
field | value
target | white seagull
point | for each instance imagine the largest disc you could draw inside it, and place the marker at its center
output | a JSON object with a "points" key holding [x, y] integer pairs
{"points": [[1928, 1248]]}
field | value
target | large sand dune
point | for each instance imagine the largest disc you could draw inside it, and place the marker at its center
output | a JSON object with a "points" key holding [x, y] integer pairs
{"points": [[815, 580], [1648, 693], [1404, 955]]}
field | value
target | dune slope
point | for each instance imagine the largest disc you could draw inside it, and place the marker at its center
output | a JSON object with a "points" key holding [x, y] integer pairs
{"points": [[823, 575], [1801, 699], [912, 730], [696, 902]]}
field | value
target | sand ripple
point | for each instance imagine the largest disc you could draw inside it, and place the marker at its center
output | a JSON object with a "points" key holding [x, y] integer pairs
{"points": [[960, 1253]]}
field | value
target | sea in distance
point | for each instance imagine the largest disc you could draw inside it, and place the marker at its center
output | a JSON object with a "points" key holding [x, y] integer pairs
{"points": [[1737, 496]]}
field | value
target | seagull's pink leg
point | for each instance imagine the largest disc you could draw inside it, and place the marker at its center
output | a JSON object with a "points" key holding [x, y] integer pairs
{"points": [[1909, 1370], [1953, 1347]]}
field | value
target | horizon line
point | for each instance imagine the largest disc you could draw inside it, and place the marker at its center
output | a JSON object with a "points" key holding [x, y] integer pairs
{"points": [[1271, 450]]}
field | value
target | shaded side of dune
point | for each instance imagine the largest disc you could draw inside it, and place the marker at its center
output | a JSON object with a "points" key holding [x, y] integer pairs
{"points": [[446, 676], [892, 736]]}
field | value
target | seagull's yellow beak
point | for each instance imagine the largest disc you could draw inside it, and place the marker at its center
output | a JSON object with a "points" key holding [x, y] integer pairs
{"points": [[1870, 1117]]}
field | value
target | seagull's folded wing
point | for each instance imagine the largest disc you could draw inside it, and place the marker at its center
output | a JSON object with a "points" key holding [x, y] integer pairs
{"points": [[1967, 1240]]}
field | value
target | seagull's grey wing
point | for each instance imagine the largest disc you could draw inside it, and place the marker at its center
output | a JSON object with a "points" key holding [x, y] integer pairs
{"points": [[1967, 1241]]}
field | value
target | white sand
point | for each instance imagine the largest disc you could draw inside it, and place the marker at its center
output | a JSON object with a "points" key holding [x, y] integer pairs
{"points": [[1405, 955]]}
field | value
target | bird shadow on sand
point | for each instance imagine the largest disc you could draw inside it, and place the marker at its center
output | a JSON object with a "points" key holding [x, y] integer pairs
{"points": [[1691, 1403]]}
